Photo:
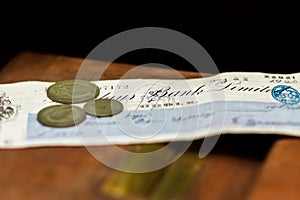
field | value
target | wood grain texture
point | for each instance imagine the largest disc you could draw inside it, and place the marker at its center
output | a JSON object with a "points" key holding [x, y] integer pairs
{"points": [[280, 174], [225, 177], [73, 173], [48, 67], [50, 173]]}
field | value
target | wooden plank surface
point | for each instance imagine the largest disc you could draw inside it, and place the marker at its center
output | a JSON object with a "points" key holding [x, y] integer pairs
{"points": [[35, 66], [73, 173], [280, 174]]}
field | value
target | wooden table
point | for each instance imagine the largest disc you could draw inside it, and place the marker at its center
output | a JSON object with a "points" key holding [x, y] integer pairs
{"points": [[239, 167]]}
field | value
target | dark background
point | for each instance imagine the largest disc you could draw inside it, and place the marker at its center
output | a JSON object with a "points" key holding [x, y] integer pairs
{"points": [[239, 35]]}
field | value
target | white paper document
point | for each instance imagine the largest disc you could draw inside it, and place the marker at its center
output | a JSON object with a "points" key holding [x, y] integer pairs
{"points": [[159, 110]]}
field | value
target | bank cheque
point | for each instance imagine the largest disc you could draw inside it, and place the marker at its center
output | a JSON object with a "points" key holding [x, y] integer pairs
{"points": [[158, 110]]}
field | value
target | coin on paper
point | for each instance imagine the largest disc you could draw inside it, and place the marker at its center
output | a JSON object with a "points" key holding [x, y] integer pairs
{"points": [[103, 107], [61, 115], [72, 91]]}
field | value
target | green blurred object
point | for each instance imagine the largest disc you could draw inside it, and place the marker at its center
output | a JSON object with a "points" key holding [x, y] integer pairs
{"points": [[179, 178], [122, 184], [172, 182]]}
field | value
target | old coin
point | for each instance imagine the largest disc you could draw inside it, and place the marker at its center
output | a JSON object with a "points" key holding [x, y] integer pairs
{"points": [[103, 107], [61, 115], [72, 91]]}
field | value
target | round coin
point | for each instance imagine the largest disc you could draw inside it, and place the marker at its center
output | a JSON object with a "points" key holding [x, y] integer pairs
{"points": [[72, 91], [61, 115], [103, 107]]}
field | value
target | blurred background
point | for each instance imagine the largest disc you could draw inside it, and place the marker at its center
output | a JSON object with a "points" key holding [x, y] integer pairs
{"points": [[239, 35]]}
